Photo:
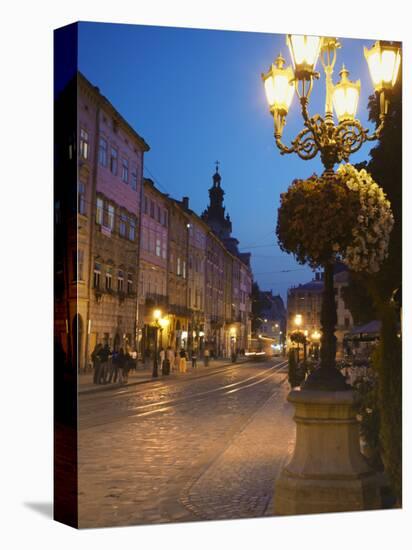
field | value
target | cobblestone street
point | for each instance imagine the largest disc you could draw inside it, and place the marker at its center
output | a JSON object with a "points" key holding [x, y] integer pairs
{"points": [[206, 447]]}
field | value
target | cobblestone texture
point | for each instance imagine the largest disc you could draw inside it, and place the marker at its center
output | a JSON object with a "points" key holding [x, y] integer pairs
{"points": [[206, 456]]}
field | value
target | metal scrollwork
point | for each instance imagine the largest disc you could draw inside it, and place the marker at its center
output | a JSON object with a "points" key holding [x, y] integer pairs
{"points": [[334, 142]]}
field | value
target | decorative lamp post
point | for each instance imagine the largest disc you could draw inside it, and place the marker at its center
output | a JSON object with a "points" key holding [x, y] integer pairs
{"points": [[327, 472], [334, 142], [157, 315]]}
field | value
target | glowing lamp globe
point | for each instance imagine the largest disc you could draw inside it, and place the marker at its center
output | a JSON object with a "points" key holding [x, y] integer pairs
{"points": [[304, 51], [346, 97], [279, 87], [384, 59]]}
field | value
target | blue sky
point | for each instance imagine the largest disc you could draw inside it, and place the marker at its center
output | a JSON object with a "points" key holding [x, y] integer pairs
{"points": [[196, 96]]}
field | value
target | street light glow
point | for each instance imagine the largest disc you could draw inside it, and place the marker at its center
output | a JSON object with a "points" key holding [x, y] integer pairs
{"points": [[346, 96], [304, 51], [298, 319], [384, 61]]}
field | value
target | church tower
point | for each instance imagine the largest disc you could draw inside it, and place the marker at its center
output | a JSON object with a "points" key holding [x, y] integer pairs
{"points": [[214, 215]]}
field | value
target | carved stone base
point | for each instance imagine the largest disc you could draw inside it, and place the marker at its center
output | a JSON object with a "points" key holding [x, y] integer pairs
{"points": [[327, 472]]}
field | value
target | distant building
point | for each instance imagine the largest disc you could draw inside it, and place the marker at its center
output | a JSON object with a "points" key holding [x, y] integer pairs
{"points": [[153, 263], [228, 278], [273, 317], [305, 300]]}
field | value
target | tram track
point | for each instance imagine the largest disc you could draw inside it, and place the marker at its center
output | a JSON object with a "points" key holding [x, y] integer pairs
{"points": [[164, 405], [160, 384]]}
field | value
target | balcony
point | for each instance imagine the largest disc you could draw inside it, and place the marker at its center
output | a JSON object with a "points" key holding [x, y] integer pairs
{"points": [[156, 300]]}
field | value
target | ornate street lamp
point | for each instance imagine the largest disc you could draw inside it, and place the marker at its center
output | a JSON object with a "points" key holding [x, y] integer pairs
{"points": [[335, 142], [327, 472]]}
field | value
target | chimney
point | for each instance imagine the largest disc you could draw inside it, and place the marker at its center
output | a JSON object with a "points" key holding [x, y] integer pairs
{"points": [[185, 202]]}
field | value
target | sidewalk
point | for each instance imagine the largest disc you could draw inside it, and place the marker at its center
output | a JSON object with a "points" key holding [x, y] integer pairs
{"points": [[143, 374]]}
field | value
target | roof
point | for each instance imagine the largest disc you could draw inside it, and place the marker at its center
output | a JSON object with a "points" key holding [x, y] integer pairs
{"points": [[373, 327], [108, 104]]}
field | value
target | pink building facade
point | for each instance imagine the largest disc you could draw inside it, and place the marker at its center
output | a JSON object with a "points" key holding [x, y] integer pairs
{"points": [[110, 181]]}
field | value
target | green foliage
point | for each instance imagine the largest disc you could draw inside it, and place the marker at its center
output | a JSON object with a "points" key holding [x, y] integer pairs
{"points": [[298, 337], [315, 219], [358, 300], [293, 369], [385, 166], [387, 361], [367, 406]]}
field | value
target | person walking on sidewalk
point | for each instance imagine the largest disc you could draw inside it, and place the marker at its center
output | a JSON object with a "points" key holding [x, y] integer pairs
{"points": [[97, 364], [170, 355], [128, 364], [113, 369], [105, 354], [120, 364], [194, 358], [206, 356], [182, 361], [162, 356]]}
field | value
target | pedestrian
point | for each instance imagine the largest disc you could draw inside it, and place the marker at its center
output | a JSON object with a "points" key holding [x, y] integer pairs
{"points": [[194, 358], [127, 365], [182, 361], [162, 356], [105, 354], [113, 368], [97, 365], [206, 357], [170, 355], [120, 363]]}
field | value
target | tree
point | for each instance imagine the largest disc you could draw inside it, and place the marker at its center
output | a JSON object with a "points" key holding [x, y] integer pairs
{"points": [[385, 165]]}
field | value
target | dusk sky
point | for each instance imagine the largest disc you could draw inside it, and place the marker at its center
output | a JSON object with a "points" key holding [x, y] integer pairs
{"points": [[196, 96]]}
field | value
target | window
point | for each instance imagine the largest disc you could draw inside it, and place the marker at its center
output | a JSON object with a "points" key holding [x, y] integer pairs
{"points": [[113, 160], [164, 249], [109, 278], [152, 244], [96, 275], [125, 170], [165, 218], [178, 266], [133, 181], [110, 217], [84, 144], [99, 211], [152, 209], [80, 264], [103, 152], [129, 283], [120, 281], [184, 269], [159, 219], [81, 198], [158, 248], [132, 228], [145, 205], [122, 225]]}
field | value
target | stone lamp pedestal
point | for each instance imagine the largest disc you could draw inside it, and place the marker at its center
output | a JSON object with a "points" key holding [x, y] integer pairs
{"points": [[327, 472]]}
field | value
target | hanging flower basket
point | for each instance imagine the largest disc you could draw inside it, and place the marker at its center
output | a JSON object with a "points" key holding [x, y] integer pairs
{"points": [[343, 216]]}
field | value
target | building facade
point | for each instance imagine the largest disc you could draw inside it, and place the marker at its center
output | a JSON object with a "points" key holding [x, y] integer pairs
{"points": [[305, 301], [110, 158], [133, 249], [153, 264]]}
